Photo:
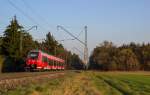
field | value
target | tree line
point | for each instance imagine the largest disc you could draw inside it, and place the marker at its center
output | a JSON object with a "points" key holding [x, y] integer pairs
{"points": [[15, 36], [127, 57], [105, 57]]}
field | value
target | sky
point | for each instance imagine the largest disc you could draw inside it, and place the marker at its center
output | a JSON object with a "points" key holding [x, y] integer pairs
{"points": [[119, 21]]}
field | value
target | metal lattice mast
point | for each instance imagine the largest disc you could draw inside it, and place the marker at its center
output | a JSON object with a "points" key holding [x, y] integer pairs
{"points": [[84, 43], [86, 49]]}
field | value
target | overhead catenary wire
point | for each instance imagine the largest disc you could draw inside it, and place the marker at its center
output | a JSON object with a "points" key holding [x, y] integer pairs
{"points": [[79, 34], [25, 14], [43, 19], [35, 12]]}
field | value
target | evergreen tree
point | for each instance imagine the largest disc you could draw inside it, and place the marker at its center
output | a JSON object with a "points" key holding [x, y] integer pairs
{"points": [[51, 46], [11, 40], [1, 45], [76, 62], [11, 46]]}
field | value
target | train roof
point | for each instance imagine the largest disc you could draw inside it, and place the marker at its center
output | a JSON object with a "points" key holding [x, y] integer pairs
{"points": [[49, 55]]}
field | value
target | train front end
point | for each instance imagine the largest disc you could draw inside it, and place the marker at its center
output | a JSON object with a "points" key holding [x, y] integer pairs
{"points": [[33, 61]]}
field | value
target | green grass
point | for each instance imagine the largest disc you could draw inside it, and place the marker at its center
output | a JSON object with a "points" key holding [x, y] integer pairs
{"points": [[91, 83], [123, 83]]}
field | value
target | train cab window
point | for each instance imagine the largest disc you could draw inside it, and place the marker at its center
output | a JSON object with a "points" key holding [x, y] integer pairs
{"points": [[33, 55]]}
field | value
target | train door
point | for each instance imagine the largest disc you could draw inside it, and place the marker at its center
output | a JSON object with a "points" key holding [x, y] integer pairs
{"points": [[45, 62]]}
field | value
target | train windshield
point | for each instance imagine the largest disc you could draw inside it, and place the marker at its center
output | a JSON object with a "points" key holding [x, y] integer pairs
{"points": [[33, 55]]}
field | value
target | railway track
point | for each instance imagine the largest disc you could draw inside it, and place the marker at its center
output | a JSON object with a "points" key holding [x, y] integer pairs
{"points": [[12, 80], [4, 76]]}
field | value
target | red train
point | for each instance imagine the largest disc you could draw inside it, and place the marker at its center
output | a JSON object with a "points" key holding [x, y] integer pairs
{"points": [[38, 60]]}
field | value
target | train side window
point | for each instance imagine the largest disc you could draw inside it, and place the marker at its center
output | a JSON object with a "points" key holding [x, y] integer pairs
{"points": [[50, 62], [55, 63], [59, 63], [44, 59]]}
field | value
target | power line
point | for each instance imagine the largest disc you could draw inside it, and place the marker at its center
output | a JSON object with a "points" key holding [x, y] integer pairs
{"points": [[22, 12], [40, 17], [69, 33], [79, 34], [35, 12], [84, 43]]}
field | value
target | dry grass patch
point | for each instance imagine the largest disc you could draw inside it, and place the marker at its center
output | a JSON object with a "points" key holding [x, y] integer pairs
{"points": [[35, 93], [80, 84]]}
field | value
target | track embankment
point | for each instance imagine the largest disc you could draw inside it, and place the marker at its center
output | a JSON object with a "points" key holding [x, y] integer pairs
{"points": [[12, 80]]}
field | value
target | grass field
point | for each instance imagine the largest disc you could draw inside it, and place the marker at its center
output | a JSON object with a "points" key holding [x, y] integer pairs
{"points": [[115, 83], [90, 83]]}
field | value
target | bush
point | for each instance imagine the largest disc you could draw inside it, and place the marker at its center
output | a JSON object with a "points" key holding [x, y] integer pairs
{"points": [[11, 64]]}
